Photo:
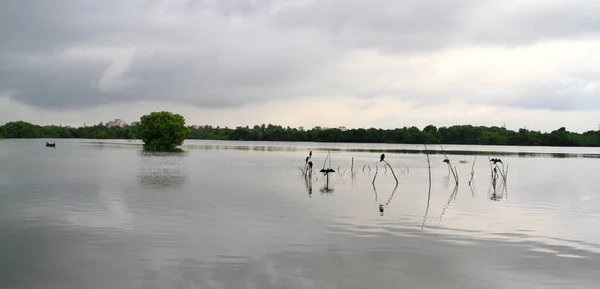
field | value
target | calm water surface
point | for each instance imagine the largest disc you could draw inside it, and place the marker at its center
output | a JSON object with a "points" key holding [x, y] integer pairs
{"points": [[91, 214]]}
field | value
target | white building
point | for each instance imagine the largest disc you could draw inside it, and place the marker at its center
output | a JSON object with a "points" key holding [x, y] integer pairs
{"points": [[116, 122]]}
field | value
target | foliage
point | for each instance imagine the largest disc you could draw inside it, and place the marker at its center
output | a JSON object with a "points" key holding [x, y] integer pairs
{"points": [[163, 131], [21, 129], [458, 134]]}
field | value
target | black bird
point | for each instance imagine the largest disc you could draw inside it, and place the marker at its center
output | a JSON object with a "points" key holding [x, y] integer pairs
{"points": [[310, 164], [327, 171], [310, 154], [495, 160], [382, 157], [306, 161], [447, 161], [381, 208]]}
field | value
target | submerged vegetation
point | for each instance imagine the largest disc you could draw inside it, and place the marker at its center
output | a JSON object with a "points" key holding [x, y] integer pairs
{"points": [[458, 134]]}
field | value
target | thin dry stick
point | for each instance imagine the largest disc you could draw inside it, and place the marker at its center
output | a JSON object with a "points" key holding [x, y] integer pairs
{"points": [[363, 169], [429, 192], [501, 173], [374, 177], [394, 174], [352, 168], [491, 168], [450, 166], [472, 170], [505, 177], [456, 175], [429, 167], [325, 161]]}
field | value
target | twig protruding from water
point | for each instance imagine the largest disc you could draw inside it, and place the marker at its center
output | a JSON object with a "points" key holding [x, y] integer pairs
{"points": [[472, 170]]}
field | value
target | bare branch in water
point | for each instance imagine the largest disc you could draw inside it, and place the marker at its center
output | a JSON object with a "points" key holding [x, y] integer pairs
{"points": [[429, 191], [472, 170], [394, 174], [453, 170], [374, 177]]}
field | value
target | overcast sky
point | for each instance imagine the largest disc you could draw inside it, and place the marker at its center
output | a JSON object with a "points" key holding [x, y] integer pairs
{"points": [[354, 63]]}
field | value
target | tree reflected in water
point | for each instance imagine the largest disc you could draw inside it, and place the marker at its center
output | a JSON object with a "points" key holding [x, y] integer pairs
{"points": [[162, 171]]}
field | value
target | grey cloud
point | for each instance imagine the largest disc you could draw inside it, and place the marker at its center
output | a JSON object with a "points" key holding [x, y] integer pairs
{"points": [[553, 95], [409, 25], [199, 52], [414, 26], [532, 23]]}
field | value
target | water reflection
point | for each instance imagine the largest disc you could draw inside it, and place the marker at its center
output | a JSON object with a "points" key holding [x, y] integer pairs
{"points": [[92, 224], [483, 150], [162, 171], [308, 183], [389, 200]]}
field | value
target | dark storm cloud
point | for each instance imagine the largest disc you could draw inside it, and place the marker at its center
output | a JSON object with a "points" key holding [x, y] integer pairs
{"points": [[62, 54]]}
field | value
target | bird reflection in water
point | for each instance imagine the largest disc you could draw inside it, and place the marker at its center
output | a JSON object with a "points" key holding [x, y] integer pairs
{"points": [[308, 183], [387, 203]]}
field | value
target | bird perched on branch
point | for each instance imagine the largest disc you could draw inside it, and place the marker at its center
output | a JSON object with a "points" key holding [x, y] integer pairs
{"points": [[447, 161], [495, 160], [382, 157]]}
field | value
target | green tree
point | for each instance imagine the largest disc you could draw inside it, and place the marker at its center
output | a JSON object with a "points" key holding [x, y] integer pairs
{"points": [[162, 131]]}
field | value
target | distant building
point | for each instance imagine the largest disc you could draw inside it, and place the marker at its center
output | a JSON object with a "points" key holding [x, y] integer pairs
{"points": [[116, 122], [135, 123], [301, 128], [342, 128], [317, 128]]}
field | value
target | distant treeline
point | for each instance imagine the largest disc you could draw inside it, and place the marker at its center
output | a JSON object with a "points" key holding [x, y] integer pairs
{"points": [[458, 134]]}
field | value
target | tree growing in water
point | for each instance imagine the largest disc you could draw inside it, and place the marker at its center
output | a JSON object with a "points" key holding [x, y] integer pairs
{"points": [[162, 131]]}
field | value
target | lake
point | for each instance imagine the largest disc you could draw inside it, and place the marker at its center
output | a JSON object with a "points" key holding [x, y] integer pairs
{"points": [[104, 214]]}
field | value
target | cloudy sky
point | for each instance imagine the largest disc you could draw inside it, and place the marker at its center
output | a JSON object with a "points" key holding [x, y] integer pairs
{"points": [[371, 63]]}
